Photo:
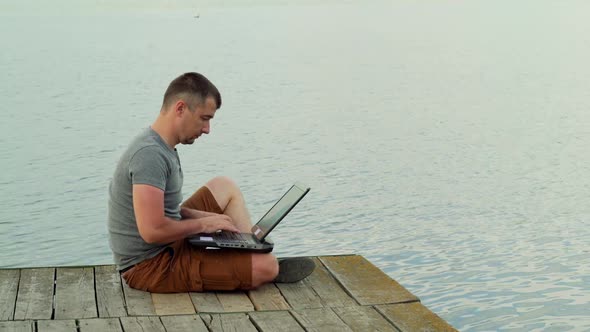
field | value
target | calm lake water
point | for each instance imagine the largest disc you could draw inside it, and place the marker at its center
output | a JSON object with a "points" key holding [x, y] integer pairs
{"points": [[445, 141]]}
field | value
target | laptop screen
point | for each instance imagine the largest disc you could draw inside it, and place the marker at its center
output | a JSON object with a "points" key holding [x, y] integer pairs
{"points": [[279, 210]]}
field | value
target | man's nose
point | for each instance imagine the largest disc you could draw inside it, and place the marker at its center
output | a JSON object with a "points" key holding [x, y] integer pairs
{"points": [[206, 129]]}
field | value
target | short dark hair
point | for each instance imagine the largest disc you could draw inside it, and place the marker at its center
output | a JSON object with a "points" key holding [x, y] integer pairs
{"points": [[194, 87]]}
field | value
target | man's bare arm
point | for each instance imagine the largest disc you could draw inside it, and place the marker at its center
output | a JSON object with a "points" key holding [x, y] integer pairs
{"points": [[187, 213], [155, 227]]}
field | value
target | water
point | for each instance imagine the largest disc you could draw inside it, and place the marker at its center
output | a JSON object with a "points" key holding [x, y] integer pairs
{"points": [[444, 141]]}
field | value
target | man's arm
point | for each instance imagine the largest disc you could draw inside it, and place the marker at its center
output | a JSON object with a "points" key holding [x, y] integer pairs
{"points": [[155, 227], [187, 213]]}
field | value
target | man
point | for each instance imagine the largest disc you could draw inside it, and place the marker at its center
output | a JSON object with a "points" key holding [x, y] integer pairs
{"points": [[148, 222]]}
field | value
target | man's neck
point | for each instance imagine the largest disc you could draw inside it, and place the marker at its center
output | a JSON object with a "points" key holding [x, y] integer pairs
{"points": [[164, 129]]}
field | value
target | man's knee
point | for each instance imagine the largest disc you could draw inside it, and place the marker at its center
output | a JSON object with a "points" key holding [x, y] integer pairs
{"points": [[222, 183], [224, 189], [265, 268]]}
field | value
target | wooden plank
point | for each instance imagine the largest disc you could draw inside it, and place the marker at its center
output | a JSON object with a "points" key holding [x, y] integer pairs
{"points": [[109, 292], [275, 321], [139, 303], [413, 317], [56, 326], [365, 282], [327, 288], [100, 325], [35, 294], [74, 293], [184, 323], [142, 324], [173, 304], [268, 297], [228, 322], [363, 318], [8, 289], [206, 302], [300, 295], [17, 326], [235, 302], [320, 320]]}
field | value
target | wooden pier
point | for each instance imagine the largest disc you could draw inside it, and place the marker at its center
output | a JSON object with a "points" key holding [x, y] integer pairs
{"points": [[344, 293]]}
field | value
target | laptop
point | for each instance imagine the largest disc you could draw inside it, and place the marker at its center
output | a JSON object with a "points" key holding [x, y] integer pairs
{"points": [[257, 240]]}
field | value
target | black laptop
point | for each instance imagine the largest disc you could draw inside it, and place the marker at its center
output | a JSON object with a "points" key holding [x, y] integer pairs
{"points": [[257, 240]]}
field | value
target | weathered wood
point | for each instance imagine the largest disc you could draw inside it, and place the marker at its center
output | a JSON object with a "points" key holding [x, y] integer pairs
{"points": [[142, 324], [320, 320], [74, 293], [328, 300], [275, 321], [365, 282], [173, 304], [363, 318], [327, 288], [100, 325], [56, 325], [414, 317], [8, 289], [17, 326], [235, 302], [139, 303], [300, 295], [35, 294], [206, 302], [268, 297], [184, 323], [228, 323], [109, 292]]}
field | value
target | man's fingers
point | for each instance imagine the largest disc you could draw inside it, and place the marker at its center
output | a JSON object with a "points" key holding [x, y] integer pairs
{"points": [[220, 222], [232, 228]]}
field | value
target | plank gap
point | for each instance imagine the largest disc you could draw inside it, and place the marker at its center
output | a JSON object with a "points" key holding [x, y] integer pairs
{"points": [[53, 296], [121, 281], [11, 316], [94, 289], [16, 297]]}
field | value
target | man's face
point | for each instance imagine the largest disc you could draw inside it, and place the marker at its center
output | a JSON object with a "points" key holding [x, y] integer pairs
{"points": [[196, 121]]}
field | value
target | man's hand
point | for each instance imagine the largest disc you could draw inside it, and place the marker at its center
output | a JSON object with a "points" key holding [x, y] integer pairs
{"points": [[215, 223]]}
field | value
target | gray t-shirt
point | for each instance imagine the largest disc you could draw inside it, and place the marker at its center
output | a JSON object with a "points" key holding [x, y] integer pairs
{"points": [[147, 160]]}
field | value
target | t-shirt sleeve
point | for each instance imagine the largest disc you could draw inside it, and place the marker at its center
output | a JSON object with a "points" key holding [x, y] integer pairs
{"points": [[148, 166]]}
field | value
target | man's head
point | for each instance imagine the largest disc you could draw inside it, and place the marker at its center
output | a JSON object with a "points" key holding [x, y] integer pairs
{"points": [[190, 101], [194, 88]]}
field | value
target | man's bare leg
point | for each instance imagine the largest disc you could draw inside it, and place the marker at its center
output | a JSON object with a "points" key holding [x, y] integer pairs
{"points": [[265, 267], [228, 195], [231, 200]]}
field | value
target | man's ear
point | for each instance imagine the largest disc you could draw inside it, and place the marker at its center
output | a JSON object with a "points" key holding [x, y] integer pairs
{"points": [[179, 107]]}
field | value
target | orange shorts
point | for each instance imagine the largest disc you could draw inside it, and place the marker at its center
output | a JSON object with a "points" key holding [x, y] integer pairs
{"points": [[184, 268]]}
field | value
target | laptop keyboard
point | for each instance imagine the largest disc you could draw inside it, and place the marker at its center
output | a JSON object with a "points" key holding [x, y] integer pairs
{"points": [[232, 237]]}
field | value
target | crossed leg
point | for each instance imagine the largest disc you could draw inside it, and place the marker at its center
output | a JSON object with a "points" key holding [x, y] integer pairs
{"points": [[228, 195]]}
